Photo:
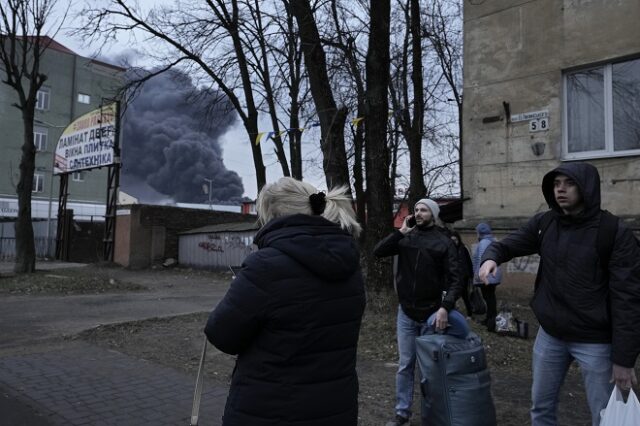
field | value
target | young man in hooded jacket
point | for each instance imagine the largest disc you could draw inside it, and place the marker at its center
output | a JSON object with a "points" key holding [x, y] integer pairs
{"points": [[588, 307], [427, 266]]}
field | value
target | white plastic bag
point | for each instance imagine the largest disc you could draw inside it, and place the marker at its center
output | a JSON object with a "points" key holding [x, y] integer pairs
{"points": [[617, 413]]}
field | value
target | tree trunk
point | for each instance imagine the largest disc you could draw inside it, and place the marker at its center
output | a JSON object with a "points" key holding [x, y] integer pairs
{"points": [[379, 202], [251, 125], [417, 188], [358, 174], [332, 118], [25, 246]]}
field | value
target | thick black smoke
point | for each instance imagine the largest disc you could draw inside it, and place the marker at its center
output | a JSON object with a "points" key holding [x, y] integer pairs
{"points": [[170, 143]]}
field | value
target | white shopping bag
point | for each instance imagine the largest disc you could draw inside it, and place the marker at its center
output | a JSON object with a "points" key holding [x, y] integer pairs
{"points": [[617, 413]]}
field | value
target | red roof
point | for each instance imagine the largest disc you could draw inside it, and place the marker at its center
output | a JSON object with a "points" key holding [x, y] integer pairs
{"points": [[50, 43]]}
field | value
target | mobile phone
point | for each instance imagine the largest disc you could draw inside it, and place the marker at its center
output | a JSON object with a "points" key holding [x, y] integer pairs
{"points": [[411, 222]]}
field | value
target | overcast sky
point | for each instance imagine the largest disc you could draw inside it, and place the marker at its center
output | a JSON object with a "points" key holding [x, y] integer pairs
{"points": [[235, 143]]}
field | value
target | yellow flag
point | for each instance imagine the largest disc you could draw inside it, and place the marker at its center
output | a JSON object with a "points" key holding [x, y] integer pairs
{"points": [[356, 121]]}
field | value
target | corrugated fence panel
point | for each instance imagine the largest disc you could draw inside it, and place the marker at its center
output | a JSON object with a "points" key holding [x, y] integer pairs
{"points": [[44, 247], [219, 250]]}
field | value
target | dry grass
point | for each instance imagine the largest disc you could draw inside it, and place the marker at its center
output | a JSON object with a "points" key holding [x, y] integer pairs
{"points": [[66, 282], [176, 342]]}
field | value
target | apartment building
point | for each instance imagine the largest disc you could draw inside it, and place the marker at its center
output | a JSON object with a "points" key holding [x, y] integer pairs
{"points": [[75, 85]]}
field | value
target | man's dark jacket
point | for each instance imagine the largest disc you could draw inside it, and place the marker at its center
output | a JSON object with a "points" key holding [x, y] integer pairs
{"points": [[427, 266], [579, 298], [293, 317]]}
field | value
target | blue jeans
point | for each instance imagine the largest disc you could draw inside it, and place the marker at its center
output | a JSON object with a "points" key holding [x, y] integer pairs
{"points": [[408, 330], [551, 360]]}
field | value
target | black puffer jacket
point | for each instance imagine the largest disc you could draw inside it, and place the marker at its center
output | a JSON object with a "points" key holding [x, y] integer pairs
{"points": [[427, 266], [293, 317], [578, 298]]}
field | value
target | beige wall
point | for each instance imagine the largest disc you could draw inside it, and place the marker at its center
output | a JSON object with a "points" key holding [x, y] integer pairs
{"points": [[123, 240], [515, 52]]}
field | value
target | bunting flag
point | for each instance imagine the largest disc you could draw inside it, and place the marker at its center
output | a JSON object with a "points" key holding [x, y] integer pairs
{"points": [[271, 134], [356, 121]]}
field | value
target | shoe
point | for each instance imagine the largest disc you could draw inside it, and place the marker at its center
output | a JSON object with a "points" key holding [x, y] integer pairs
{"points": [[399, 420]]}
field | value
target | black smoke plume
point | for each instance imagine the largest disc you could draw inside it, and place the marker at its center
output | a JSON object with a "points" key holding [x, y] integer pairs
{"points": [[170, 143]]}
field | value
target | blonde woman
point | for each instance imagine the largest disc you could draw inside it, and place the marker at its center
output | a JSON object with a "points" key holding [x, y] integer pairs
{"points": [[293, 313]]}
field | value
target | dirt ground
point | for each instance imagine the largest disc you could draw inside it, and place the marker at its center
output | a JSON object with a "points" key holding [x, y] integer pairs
{"points": [[177, 341]]}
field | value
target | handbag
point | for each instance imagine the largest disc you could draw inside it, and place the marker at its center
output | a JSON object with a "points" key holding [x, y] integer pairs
{"points": [[478, 305], [619, 413], [197, 394]]}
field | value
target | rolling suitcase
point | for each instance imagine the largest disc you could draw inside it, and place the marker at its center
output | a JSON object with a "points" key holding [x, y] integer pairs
{"points": [[455, 381]]}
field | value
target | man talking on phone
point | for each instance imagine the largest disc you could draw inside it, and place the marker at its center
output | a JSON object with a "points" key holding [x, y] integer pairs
{"points": [[426, 281]]}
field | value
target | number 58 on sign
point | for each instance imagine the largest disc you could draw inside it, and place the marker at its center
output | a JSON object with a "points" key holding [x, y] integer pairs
{"points": [[539, 124]]}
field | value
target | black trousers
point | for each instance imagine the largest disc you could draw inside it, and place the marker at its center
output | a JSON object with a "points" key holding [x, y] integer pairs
{"points": [[465, 299], [489, 295]]}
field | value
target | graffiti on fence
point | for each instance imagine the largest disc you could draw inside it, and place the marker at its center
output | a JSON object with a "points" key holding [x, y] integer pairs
{"points": [[526, 264], [210, 247]]}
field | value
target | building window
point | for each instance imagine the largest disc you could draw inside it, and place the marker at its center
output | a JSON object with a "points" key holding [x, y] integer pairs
{"points": [[42, 99], [38, 182], [40, 135], [84, 99], [78, 176], [601, 111]]}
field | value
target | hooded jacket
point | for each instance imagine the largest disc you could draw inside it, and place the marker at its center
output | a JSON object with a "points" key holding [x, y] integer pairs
{"points": [[578, 298], [427, 266], [292, 315], [485, 238]]}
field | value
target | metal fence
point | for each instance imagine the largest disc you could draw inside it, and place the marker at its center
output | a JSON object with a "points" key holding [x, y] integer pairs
{"points": [[215, 250], [45, 247]]}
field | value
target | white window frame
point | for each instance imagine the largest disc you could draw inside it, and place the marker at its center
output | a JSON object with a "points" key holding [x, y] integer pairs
{"points": [[78, 176], [38, 183], [83, 98], [40, 138], [43, 99], [608, 150]]}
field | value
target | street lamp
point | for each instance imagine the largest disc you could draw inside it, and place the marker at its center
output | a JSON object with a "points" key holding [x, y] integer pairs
{"points": [[208, 189]]}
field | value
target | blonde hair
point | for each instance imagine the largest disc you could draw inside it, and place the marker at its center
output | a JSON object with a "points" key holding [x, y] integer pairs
{"points": [[289, 196]]}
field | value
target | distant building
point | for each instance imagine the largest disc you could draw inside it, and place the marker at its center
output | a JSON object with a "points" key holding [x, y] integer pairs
{"points": [[248, 207], [75, 85]]}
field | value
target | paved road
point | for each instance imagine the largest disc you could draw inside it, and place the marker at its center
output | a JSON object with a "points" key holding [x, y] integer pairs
{"points": [[49, 381]]}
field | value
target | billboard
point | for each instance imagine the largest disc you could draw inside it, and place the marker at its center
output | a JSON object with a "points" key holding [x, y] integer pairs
{"points": [[87, 143]]}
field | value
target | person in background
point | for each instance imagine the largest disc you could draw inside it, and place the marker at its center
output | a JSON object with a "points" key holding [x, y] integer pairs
{"points": [[586, 299], [293, 313], [485, 238], [427, 282], [466, 270]]}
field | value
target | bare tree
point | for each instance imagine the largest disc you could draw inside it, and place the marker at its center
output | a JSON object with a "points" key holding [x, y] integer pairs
{"points": [[206, 35], [347, 71], [23, 42], [379, 200], [443, 28], [332, 118], [410, 103]]}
